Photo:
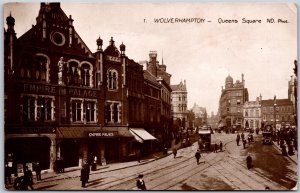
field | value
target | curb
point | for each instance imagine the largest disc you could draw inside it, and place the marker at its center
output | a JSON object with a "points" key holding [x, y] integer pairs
{"points": [[278, 148]]}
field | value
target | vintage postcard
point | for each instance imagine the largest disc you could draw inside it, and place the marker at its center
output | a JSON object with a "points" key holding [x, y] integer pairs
{"points": [[150, 96]]}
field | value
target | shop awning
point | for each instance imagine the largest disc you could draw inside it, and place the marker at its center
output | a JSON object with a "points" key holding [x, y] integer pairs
{"points": [[92, 132], [141, 134]]}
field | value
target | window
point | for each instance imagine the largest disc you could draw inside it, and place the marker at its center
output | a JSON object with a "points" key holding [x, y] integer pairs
{"points": [[73, 74], [238, 101], [76, 110], [90, 111], [28, 108], [179, 98], [264, 117], [112, 78], [228, 109], [256, 113], [264, 109], [44, 109], [113, 112], [246, 113], [85, 74], [37, 108]]}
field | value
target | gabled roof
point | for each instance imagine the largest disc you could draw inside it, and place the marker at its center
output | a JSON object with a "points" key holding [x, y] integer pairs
{"points": [[178, 87]]}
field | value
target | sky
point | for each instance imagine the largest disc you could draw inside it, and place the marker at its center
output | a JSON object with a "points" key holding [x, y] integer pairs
{"points": [[202, 53]]}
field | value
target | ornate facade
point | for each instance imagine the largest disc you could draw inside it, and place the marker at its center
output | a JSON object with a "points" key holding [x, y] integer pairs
{"points": [[252, 114], [179, 105], [231, 102]]}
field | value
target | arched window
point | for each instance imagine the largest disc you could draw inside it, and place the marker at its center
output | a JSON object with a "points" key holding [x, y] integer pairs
{"points": [[112, 79], [73, 73], [85, 74]]}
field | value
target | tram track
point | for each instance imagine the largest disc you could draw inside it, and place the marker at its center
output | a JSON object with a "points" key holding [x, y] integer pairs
{"points": [[156, 177]]}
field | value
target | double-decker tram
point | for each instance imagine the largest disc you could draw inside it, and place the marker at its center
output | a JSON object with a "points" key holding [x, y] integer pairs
{"points": [[204, 140]]}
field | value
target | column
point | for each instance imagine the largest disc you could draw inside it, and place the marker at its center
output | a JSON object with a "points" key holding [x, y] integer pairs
{"points": [[52, 153]]}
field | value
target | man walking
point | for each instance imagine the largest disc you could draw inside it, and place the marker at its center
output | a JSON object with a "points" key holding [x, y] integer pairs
{"points": [[38, 171], [198, 156], [221, 146], [174, 152]]}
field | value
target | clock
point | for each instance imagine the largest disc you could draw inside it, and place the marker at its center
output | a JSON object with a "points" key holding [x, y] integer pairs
{"points": [[57, 38]]}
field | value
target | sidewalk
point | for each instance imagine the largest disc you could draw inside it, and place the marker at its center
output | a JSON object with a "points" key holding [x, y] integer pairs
{"points": [[293, 158], [73, 172]]}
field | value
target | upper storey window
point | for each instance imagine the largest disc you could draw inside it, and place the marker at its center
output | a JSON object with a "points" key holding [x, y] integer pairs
{"points": [[74, 74], [36, 68], [85, 74], [112, 79]]}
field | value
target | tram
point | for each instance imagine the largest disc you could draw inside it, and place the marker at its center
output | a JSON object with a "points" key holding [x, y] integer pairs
{"points": [[204, 140], [267, 135]]}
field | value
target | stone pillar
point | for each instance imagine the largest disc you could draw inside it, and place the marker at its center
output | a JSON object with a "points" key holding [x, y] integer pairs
{"points": [[52, 153]]}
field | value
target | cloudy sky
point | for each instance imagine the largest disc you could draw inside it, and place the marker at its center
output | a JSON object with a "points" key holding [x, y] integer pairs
{"points": [[203, 54]]}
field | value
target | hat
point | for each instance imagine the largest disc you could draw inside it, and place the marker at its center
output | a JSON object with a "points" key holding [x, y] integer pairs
{"points": [[141, 176]]}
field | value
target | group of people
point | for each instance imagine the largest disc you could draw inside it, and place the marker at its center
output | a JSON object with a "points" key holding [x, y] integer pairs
{"points": [[287, 139], [242, 138], [25, 181]]}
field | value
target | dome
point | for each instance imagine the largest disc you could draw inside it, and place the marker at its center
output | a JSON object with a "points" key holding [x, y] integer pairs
{"points": [[229, 79], [10, 20]]}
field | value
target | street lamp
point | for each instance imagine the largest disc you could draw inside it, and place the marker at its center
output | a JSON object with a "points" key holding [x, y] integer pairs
{"points": [[275, 111]]}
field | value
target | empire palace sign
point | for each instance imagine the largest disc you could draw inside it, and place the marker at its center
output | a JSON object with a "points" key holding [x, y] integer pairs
{"points": [[54, 90]]}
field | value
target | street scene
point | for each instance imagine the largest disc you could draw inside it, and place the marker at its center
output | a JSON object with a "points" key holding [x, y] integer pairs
{"points": [[168, 97]]}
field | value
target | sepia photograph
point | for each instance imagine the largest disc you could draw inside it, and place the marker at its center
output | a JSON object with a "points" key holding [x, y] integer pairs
{"points": [[150, 96]]}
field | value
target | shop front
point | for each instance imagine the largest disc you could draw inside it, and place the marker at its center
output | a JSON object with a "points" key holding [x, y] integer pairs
{"points": [[79, 145]]}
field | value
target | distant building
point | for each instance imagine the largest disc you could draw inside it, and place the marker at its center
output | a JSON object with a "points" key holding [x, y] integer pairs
{"points": [[213, 120], [282, 109], [252, 114], [200, 115], [179, 105], [231, 102]]}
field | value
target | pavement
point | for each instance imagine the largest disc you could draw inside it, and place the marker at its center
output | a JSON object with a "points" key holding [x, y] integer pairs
{"points": [[293, 158]]}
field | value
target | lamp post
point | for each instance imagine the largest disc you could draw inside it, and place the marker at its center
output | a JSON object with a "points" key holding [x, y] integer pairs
{"points": [[275, 111]]}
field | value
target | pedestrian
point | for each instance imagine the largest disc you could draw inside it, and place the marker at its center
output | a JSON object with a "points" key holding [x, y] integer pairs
{"points": [[221, 146], [140, 183], [83, 176], [7, 174], [28, 179], [216, 148], [283, 150], [244, 143], [38, 171], [174, 152], [19, 183], [249, 161], [251, 137], [198, 156], [238, 139], [243, 136]]}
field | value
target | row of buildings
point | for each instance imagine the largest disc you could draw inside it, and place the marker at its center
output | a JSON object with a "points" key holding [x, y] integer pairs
{"points": [[63, 101], [235, 109]]}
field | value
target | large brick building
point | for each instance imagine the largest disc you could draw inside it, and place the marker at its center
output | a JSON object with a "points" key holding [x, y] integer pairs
{"points": [[231, 102], [64, 101]]}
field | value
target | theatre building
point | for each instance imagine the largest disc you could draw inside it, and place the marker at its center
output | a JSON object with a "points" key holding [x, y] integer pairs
{"points": [[64, 102]]}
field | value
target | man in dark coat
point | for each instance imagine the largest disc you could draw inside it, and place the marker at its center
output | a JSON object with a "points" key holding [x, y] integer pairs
{"points": [[238, 139], [38, 171], [221, 146], [249, 162], [83, 176], [28, 179], [198, 156], [140, 183]]}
